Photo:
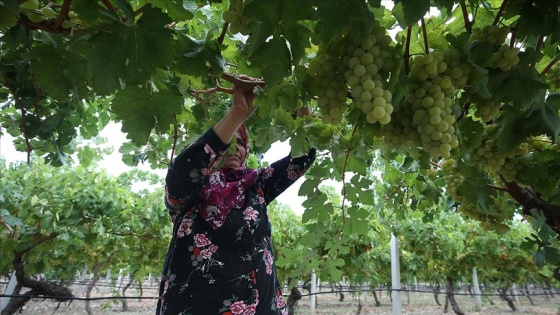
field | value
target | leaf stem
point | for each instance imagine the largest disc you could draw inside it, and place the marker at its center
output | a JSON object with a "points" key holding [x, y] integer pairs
{"points": [[406, 55], [425, 36], [468, 23], [500, 12]]}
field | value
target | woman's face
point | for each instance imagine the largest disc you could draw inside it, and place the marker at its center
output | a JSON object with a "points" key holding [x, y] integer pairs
{"points": [[236, 159]]}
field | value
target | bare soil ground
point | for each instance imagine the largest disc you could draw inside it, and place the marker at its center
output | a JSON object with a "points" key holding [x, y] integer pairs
{"points": [[327, 304]]}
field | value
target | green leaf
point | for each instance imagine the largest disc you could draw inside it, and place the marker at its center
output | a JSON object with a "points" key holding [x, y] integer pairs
{"points": [[9, 11], [337, 17], [274, 60], [178, 10], [196, 57], [140, 111], [409, 12], [522, 86], [59, 72], [132, 53]]}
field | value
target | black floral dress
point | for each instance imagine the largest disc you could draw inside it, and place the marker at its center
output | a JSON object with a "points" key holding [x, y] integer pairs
{"points": [[228, 270]]}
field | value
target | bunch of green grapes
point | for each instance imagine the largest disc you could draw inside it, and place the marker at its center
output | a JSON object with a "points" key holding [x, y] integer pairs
{"points": [[490, 156], [234, 16], [431, 102], [326, 69], [369, 66], [553, 76], [486, 109], [491, 35], [495, 161], [505, 58], [453, 179]]}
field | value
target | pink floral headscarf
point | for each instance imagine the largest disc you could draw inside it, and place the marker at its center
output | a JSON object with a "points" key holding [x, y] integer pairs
{"points": [[226, 187]]}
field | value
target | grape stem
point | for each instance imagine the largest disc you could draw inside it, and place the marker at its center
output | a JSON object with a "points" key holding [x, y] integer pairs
{"points": [[425, 35], [63, 14], [468, 23], [500, 12], [407, 50]]}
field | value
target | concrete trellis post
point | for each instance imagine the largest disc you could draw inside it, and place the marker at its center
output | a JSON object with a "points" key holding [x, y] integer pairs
{"points": [[8, 291], [312, 296], [395, 276], [81, 282], [476, 290]]}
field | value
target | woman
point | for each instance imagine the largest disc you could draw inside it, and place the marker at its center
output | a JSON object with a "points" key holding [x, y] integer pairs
{"points": [[220, 258]]}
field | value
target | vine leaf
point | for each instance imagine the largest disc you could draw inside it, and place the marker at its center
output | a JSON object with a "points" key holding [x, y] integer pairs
{"points": [[9, 11], [273, 58], [141, 111], [521, 86], [59, 72], [196, 56], [338, 16], [177, 9], [408, 12], [132, 53]]}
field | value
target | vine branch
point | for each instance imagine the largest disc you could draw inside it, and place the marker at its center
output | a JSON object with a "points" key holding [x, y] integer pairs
{"points": [[500, 12], [468, 23], [223, 34], [550, 65]]}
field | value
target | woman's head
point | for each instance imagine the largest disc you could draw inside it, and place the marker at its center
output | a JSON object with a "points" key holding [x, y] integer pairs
{"points": [[238, 158]]}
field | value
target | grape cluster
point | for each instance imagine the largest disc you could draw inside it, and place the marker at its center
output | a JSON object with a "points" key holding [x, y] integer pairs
{"points": [[234, 16], [494, 160], [431, 103], [363, 66], [491, 35], [505, 58], [453, 178], [485, 109], [328, 78], [369, 65]]}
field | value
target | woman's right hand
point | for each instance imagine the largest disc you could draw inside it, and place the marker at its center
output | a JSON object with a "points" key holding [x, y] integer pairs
{"points": [[243, 98]]}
